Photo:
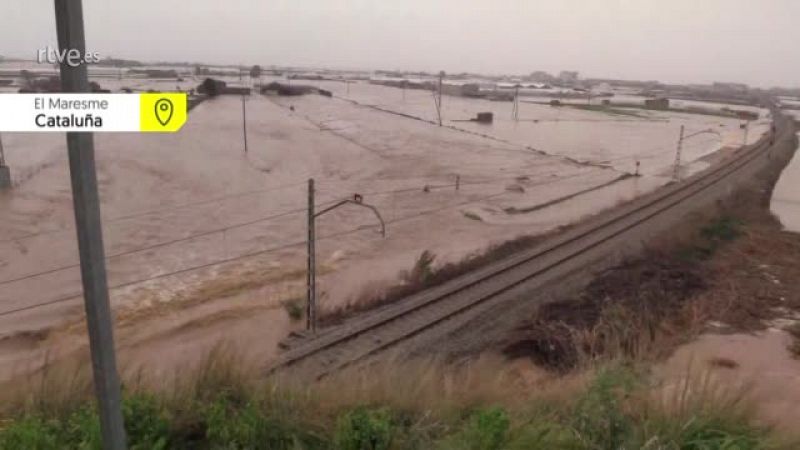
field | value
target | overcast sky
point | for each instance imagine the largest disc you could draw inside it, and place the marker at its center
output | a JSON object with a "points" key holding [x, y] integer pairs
{"points": [[757, 42]]}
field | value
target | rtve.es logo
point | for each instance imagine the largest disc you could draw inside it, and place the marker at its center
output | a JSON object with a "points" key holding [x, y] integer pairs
{"points": [[72, 57]]}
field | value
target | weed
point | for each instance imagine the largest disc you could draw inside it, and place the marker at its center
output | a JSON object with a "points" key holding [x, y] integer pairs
{"points": [[422, 270], [294, 308], [246, 427], [712, 236], [423, 275], [364, 429], [598, 418], [146, 423], [33, 432], [487, 429]]}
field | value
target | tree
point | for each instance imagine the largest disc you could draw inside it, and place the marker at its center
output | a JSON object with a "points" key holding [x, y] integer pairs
{"points": [[255, 71]]}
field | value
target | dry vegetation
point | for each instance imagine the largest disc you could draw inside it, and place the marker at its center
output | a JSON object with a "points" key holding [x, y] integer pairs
{"points": [[734, 266], [425, 274], [588, 389], [599, 396], [487, 404]]}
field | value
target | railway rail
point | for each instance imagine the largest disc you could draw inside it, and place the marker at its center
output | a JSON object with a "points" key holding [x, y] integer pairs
{"points": [[388, 327]]}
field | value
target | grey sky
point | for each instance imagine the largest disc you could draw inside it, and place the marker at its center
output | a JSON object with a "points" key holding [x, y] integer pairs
{"points": [[757, 42]]}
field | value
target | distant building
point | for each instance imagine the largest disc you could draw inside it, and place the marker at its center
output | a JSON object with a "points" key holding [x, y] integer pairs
{"points": [[471, 90], [657, 103], [568, 77], [156, 73], [213, 87], [484, 117], [276, 88], [730, 87], [540, 76]]}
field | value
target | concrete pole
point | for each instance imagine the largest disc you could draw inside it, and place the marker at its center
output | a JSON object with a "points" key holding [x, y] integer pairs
{"points": [[2, 152], [746, 130], [244, 123], [439, 103], [69, 29], [311, 294], [5, 172], [676, 172], [516, 103]]}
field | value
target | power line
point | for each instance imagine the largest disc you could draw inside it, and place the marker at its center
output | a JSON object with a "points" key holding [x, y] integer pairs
{"points": [[244, 256], [163, 244], [271, 249], [158, 211], [216, 231], [252, 222]]}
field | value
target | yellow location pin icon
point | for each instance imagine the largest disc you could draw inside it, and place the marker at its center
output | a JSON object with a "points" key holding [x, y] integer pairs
{"points": [[164, 110]]}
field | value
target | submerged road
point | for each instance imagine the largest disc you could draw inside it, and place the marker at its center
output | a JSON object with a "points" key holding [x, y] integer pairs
{"points": [[478, 306]]}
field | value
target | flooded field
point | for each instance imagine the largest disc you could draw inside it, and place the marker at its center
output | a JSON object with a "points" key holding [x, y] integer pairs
{"points": [[785, 201], [190, 217]]}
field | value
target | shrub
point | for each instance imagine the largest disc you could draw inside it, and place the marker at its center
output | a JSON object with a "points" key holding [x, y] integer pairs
{"points": [[422, 271], [486, 429], [232, 428], [83, 430], [364, 429], [32, 433], [146, 423], [294, 308], [598, 417]]}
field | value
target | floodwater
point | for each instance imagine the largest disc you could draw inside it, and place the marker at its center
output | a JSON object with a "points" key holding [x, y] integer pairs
{"points": [[764, 369], [785, 201], [190, 217]]}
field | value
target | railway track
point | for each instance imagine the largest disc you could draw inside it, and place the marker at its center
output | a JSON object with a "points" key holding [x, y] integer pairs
{"points": [[388, 327]]}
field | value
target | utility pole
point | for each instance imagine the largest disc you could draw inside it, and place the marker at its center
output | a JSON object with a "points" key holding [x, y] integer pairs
{"points": [[676, 170], [80, 145], [746, 130], [5, 172], [311, 295], [676, 174], [439, 98], [515, 108], [311, 290], [244, 123], [2, 152]]}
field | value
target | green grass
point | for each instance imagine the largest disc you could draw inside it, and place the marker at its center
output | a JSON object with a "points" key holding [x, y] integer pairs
{"points": [[409, 407], [711, 237]]}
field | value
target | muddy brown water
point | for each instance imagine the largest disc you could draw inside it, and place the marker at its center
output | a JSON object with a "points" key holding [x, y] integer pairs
{"points": [[786, 196], [200, 183]]}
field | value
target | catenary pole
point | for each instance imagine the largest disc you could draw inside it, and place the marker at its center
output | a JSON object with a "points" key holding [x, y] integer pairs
{"points": [[311, 309], [69, 28], [244, 123], [676, 170], [311, 294]]}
